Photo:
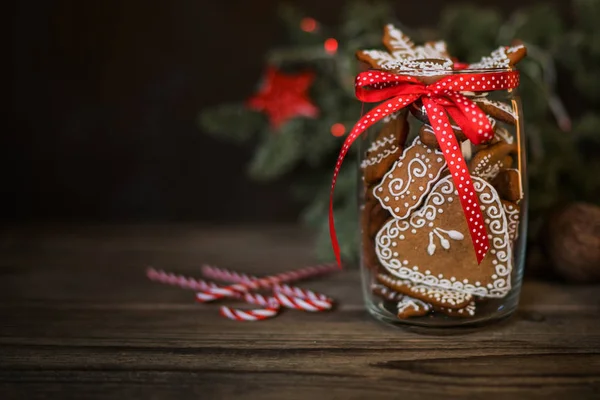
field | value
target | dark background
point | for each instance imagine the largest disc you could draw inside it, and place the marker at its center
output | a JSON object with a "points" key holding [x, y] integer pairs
{"points": [[104, 97]]}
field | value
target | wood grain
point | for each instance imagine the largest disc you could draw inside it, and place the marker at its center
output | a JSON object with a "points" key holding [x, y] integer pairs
{"points": [[79, 320]]}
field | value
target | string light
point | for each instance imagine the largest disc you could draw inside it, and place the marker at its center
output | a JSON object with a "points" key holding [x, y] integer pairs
{"points": [[331, 45], [338, 129], [308, 24]]}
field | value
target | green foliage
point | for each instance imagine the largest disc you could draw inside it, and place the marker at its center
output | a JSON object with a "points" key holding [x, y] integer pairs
{"points": [[540, 24], [278, 153], [470, 31], [225, 121], [580, 49], [563, 166], [347, 229]]}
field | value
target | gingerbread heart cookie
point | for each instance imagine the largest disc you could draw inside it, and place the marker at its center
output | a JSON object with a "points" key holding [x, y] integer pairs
{"points": [[409, 307], [432, 295], [513, 215], [386, 148], [405, 186], [433, 246], [373, 216]]}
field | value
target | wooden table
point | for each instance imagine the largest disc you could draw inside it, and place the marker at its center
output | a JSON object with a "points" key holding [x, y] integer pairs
{"points": [[79, 320]]}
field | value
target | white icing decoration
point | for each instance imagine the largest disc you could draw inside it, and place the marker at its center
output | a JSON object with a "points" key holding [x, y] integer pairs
{"points": [[427, 293], [514, 49], [498, 59], [404, 55], [503, 134], [454, 235], [512, 215], [401, 45], [387, 293], [389, 148], [416, 305], [486, 171], [425, 67], [469, 309], [500, 244], [398, 186], [391, 117], [501, 106]]}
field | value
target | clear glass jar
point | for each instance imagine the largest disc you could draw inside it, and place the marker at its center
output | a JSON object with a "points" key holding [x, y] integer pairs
{"points": [[417, 259]]}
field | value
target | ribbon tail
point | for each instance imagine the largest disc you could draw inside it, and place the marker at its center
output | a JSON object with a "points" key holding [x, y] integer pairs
{"points": [[372, 117], [461, 177], [334, 241], [474, 123]]}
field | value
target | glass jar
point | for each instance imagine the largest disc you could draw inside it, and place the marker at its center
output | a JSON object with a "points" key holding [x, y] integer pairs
{"points": [[417, 257]]}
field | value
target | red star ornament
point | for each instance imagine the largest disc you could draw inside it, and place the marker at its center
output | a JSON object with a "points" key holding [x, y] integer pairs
{"points": [[283, 97]]}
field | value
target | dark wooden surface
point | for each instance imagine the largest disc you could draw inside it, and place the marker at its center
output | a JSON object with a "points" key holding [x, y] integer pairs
{"points": [[79, 320]]}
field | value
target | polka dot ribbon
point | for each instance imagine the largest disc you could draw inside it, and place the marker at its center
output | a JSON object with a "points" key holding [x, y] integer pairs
{"points": [[440, 99]]}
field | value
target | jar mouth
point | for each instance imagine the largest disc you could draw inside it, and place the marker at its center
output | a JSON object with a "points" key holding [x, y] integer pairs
{"points": [[435, 71]]}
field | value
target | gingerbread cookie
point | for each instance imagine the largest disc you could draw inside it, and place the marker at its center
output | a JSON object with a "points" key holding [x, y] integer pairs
{"points": [[402, 53], [508, 184], [513, 215], [373, 216], [433, 246], [386, 148], [502, 135], [379, 216], [432, 295], [409, 307], [417, 109], [503, 57], [428, 138], [386, 293], [369, 257], [498, 110], [405, 186], [488, 162], [465, 312]]}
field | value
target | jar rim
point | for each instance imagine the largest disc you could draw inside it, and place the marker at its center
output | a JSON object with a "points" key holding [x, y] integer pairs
{"points": [[449, 72]]}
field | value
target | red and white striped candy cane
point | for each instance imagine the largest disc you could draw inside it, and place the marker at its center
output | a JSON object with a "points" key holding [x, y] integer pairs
{"points": [[251, 298], [267, 282], [271, 310], [224, 274], [301, 293], [248, 315], [181, 281], [271, 304], [302, 304], [301, 299], [288, 296]]}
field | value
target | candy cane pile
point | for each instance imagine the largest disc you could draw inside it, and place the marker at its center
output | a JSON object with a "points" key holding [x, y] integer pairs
{"points": [[241, 287]]}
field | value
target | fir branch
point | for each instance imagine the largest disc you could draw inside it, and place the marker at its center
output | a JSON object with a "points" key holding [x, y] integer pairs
{"points": [[234, 122], [278, 153], [291, 55]]}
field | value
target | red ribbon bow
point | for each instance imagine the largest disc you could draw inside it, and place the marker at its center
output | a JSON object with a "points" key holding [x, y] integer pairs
{"points": [[440, 99]]}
